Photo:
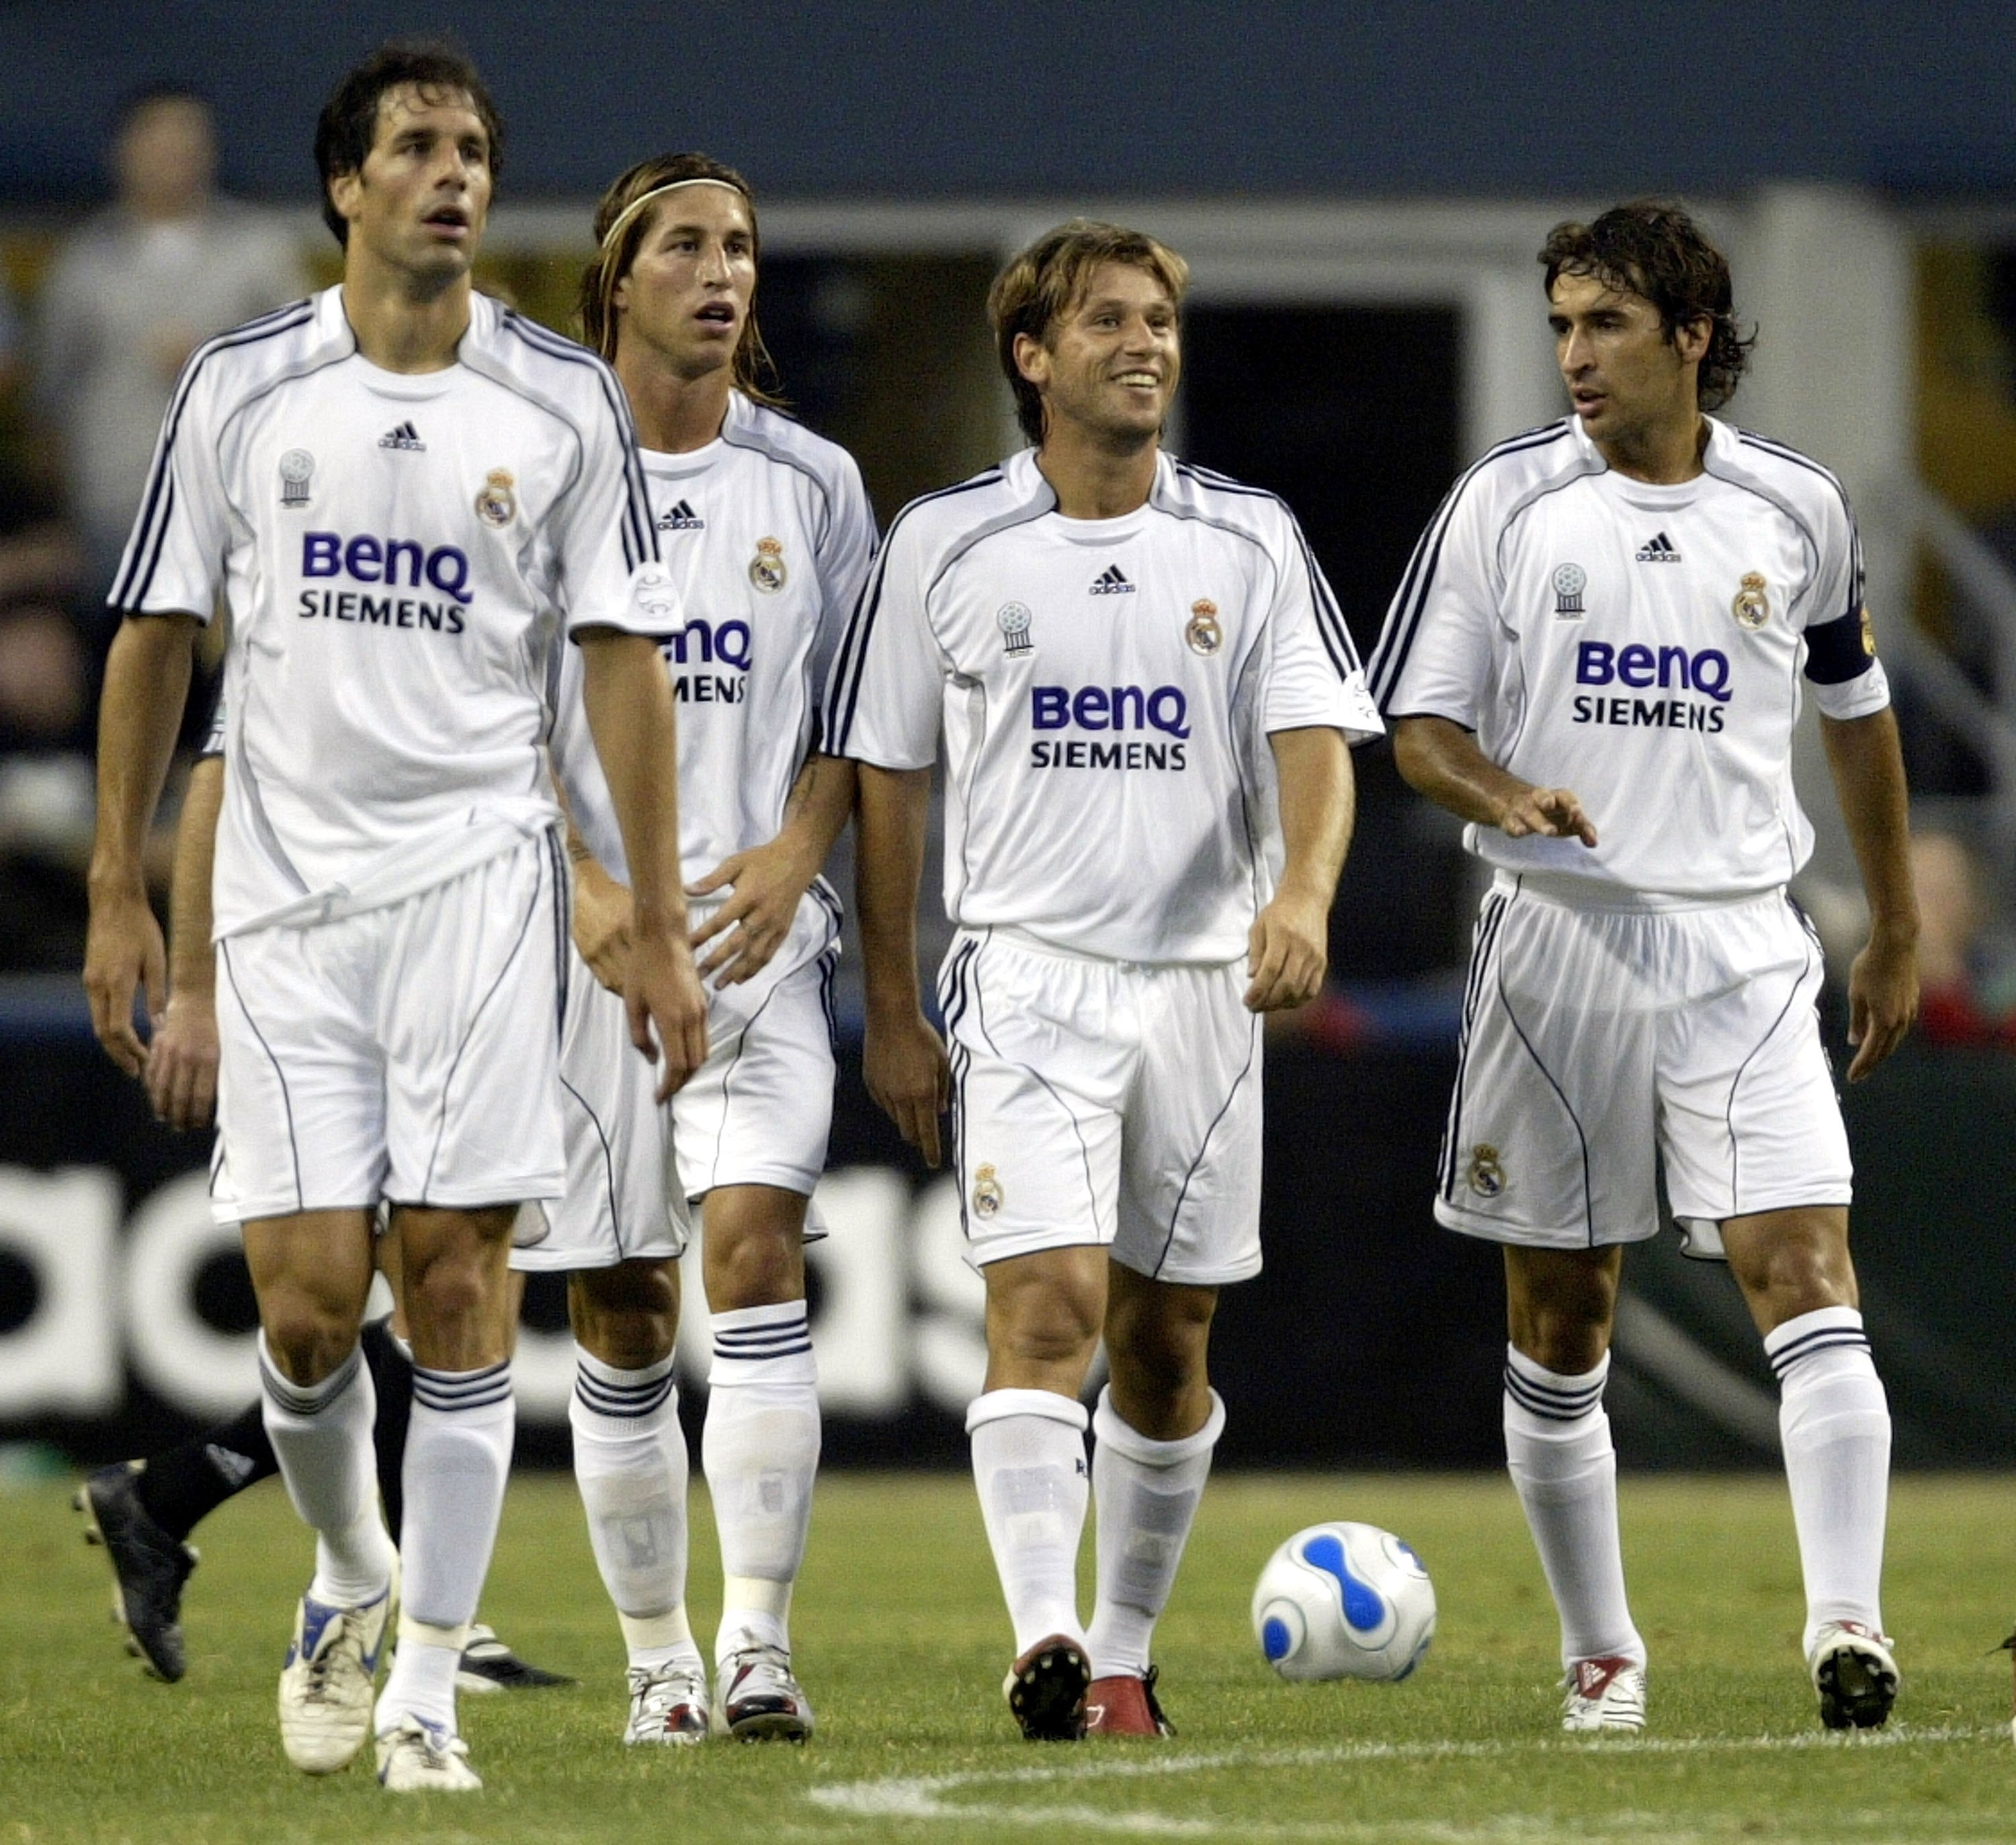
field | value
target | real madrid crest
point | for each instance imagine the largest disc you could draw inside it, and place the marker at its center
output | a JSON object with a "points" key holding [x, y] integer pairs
{"points": [[496, 503], [1202, 631], [987, 1196], [1751, 607], [296, 469], [766, 568], [1012, 619], [1486, 1175]]}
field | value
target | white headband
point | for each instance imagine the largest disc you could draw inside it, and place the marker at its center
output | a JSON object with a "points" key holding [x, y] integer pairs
{"points": [[658, 191]]}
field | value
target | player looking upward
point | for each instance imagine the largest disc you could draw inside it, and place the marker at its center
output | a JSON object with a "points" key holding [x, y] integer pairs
{"points": [[1595, 660], [406, 494], [1145, 691], [766, 532]]}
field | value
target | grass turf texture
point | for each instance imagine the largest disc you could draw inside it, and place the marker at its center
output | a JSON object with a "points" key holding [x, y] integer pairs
{"points": [[902, 1643]]}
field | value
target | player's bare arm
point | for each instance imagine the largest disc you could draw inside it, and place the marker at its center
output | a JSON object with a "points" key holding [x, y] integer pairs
{"points": [[1288, 949], [1868, 770], [767, 882], [629, 706], [181, 1056], [146, 681], [1441, 760], [903, 1059]]}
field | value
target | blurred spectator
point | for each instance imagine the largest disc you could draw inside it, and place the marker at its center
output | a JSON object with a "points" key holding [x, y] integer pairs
{"points": [[132, 294], [1966, 957], [10, 336]]}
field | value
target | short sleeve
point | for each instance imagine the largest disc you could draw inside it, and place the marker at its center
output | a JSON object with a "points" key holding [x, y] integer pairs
{"points": [[1847, 678], [1314, 677], [603, 534], [882, 697], [1434, 655], [841, 562], [175, 559]]}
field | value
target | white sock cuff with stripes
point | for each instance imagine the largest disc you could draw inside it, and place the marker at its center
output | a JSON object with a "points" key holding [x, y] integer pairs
{"points": [[771, 1344]]}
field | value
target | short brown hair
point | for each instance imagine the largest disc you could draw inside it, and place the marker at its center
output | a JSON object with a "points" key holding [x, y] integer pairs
{"points": [[1654, 249], [755, 371], [348, 124], [1041, 285]]}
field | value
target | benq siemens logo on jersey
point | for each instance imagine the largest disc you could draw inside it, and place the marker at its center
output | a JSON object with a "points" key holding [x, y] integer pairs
{"points": [[389, 564], [1129, 710], [1640, 668], [707, 644]]}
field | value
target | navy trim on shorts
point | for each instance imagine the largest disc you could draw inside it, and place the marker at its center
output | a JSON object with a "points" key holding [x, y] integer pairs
{"points": [[287, 1099], [608, 1165], [1588, 1198], [1489, 921], [1176, 1211], [951, 978], [1736, 1081]]}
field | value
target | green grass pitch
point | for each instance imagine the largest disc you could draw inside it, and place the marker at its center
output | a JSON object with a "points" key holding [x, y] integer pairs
{"points": [[901, 1641]]}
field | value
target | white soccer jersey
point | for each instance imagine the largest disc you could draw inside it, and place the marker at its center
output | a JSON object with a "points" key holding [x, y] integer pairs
{"points": [[398, 553], [1106, 688], [1642, 645], [766, 535]]}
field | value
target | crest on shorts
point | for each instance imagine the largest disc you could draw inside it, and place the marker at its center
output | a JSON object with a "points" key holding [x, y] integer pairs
{"points": [[1486, 1177], [496, 503], [1751, 607], [1570, 580], [987, 1196], [1012, 619], [1202, 631], [296, 469], [1868, 633], [766, 568]]}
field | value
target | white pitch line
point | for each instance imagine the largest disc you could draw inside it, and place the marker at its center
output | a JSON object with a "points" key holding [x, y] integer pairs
{"points": [[921, 1796]]}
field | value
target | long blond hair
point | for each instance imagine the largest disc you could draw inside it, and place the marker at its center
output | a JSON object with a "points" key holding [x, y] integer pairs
{"points": [[621, 211]]}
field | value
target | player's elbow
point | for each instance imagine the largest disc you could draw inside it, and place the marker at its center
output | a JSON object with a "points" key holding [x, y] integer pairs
{"points": [[1417, 752]]}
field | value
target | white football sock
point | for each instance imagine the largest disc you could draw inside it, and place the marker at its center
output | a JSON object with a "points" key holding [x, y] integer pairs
{"points": [[458, 1457], [630, 1462], [321, 1435], [1147, 1494], [759, 1447], [1558, 1451], [1835, 1421], [1028, 1462]]}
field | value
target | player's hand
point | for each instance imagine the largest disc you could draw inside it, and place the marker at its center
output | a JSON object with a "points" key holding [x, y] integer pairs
{"points": [[1882, 1001], [765, 883], [1547, 813], [664, 992], [904, 1065], [181, 1062], [1288, 953], [123, 951], [602, 923]]}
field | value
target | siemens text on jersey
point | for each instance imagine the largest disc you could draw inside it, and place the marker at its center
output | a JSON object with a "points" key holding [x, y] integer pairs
{"points": [[1109, 708], [382, 561], [705, 643], [1644, 668]]}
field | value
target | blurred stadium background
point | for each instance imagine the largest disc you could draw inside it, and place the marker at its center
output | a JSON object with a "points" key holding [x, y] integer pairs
{"points": [[1360, 191]]}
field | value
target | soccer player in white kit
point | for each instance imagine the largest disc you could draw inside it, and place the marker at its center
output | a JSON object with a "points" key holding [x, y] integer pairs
{"points": [[766, 532], [1595, 658], [1145, 691], [404, 493]]}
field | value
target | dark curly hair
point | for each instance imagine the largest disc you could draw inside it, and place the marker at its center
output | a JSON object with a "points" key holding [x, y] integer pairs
{"points": [[1653, 249], [348, 124]]}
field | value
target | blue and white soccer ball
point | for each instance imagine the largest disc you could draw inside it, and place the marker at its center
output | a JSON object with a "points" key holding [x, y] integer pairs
{"points": [[1344, 1601]]}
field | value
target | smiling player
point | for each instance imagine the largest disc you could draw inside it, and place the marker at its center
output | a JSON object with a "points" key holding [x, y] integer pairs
{"points": [[1595, 660], [1145, 691]]}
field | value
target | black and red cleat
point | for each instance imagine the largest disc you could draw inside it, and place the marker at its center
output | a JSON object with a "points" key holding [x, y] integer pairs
{"points": [[1046, 1689], [1125, 1707]]}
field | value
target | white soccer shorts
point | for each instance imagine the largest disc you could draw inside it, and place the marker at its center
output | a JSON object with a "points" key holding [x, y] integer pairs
{"points": [[623, 1201], [408, 1053], [1597, 1041], [1104, 1102], [759, 1111]]}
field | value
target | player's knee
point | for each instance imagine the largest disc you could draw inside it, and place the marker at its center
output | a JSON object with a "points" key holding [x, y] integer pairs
{"points": [[307, 1339], [627, 1315], [1566, 1337], [754, 1268], [1798, 1276]]}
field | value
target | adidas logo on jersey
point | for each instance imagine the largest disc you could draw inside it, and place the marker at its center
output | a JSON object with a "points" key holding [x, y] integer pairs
{"points": [[1111, 581], [681, 518], [405, 436], [1660, 550]]}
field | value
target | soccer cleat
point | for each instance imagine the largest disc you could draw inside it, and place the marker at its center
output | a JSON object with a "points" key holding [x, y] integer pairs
{"points": [[1046, 1689], [1603, 1694], [148, 1567], [415, 1756], [1855, 1674], [668, 1705], [326, 1685], [1125, 1707], [488, 1665], [757, 1700]]}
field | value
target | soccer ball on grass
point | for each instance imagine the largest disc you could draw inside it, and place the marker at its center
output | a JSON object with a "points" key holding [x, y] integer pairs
{"points": [[1344, 1601]]}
